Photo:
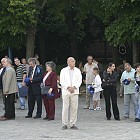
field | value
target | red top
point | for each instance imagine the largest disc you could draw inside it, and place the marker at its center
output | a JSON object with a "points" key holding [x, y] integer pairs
{"points": [[52, 82]]}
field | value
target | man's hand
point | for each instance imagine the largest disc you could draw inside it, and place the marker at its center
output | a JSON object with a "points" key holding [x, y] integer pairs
{"points": [[71, 89], [129, 79], [23, 84], [31, 79]]}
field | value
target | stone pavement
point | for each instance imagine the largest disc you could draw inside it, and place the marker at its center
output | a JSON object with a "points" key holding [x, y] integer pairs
{"points": [[92, 126]]}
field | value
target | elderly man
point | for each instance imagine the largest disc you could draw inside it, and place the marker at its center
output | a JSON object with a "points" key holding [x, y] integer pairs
{"points": [[34, 95], [129, 89], [9, 89], [88, 69], [70, 80]]}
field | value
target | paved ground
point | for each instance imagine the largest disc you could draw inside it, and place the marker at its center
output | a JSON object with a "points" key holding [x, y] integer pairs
{"points": [[92, 126]]}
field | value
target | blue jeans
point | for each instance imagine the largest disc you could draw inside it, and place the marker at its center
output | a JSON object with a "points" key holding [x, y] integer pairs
{"points": [[138, 99], [87, 96], [22, 99], [127, 98]]}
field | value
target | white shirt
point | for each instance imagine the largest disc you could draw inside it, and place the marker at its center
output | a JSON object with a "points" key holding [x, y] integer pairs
{"points": [[46, 76], [71, 78], [71, 72], [1, 70], [33, 71], [97, 83], [89, 72]]}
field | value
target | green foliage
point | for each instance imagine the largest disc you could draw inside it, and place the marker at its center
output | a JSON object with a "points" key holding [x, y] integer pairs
{"points": [[66, 16], [122, 20], [15, 15]]}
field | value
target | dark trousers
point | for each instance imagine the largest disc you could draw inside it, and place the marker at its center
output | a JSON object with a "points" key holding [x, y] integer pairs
{"points": [[49, 107], [10, 106], [111, 94], [31, 104]]}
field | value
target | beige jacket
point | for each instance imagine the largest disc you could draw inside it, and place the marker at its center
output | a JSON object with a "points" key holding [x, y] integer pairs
{"points": [[66, 82], [9, 81]]}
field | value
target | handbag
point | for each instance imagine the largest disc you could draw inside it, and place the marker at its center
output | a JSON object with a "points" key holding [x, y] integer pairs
{"points": [[23, 91], [44, 90]]}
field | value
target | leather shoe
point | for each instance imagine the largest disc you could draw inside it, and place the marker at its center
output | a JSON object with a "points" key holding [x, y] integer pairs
{"points": [[137, 120], [64, 127], [46, 118], [2, 116], [37, 117], [5, 119], [28, 116], [117, 119], [50, 119], [74, 127]]}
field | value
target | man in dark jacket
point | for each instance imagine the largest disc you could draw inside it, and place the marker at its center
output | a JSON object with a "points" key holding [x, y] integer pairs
{"points": [[36, 76]]}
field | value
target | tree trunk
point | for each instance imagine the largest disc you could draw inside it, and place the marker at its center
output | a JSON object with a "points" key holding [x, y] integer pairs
{"points": [[30, 42], [72, 31], [115, 55], [74, 48], [135, 53], [42, 46]]}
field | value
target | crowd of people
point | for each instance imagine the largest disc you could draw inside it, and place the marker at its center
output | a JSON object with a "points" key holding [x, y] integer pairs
{"points": [[28, 79]]}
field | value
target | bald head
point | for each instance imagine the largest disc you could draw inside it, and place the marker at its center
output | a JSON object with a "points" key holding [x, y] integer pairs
{"points": [[71, 62], [90, 59], [6, 62]]}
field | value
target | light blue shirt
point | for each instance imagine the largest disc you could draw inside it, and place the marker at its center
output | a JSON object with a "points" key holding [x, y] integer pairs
{"points": [[129, 89]]}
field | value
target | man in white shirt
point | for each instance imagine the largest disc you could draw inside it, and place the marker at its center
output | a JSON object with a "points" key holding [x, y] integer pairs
{"points": [[70, 80], [88, 69]]}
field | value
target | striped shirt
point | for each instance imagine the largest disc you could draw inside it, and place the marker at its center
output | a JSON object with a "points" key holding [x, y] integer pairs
{"points": [[20, 71]]}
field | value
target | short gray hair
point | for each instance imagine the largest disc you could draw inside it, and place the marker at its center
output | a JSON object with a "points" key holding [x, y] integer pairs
{"points": [[9, 61], [127, 64], [32, 60], [71, 58], [51, 64]]}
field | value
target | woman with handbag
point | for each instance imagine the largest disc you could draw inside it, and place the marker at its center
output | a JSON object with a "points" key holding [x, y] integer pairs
{"points": [[50, 81], [110, 93]]}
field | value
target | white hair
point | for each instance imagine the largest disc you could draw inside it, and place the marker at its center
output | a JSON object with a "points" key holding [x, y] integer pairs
{"points": [[70, 58]]}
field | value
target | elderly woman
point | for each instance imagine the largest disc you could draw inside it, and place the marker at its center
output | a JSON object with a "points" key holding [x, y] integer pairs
{"points": [[50, 80]]}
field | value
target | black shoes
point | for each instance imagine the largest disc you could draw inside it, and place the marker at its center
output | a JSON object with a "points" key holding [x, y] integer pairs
{"points": [[46, 118], [74, 127], [64, 127], [50, 119], [117, 119], [137, 120], [108, 119], [37, 117], [28, 116]]}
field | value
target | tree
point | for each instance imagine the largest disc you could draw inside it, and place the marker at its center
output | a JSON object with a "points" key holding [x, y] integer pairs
{"points": [[21, 17], [122, 22], [67, 17]]}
